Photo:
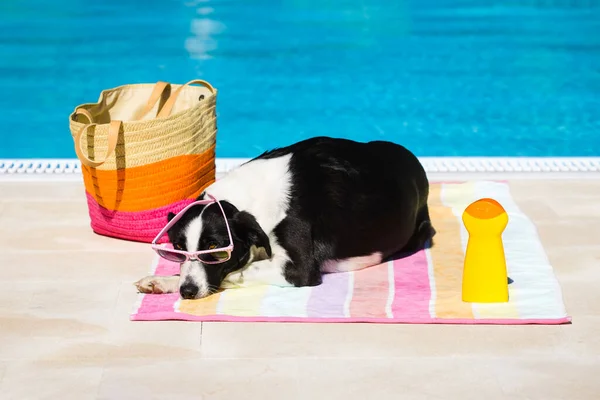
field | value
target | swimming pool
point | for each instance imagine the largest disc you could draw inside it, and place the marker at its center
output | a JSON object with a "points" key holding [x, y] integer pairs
{"points": [[443, 77]]}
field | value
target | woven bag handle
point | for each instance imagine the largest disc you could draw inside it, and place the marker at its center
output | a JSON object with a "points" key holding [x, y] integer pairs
{"points": [[157, 93], [85, 112], [113, 136], [114, 127], [168, 106]]}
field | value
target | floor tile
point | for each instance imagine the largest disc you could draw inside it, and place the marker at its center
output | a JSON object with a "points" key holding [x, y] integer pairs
{"points": [[63, 299], [43, 212], [143, 339], [447, 378], [575, 206], [569, 232], [373, 340], [397, 378], [39, 380], [94, 328], [149, 349], [16, 296], [29, 336], [576, 268], [548, 189], [549, 377], [51, 314], [86, 267], [174, 378], [50, 237], [3, 366], [578, 340], [537, 210], [27, 191]]}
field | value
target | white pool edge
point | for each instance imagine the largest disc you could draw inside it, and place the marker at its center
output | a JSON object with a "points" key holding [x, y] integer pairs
{"points": [[438, 168]]}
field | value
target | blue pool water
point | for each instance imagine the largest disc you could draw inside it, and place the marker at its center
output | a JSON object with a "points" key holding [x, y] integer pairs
{"points": [[443, 77]]}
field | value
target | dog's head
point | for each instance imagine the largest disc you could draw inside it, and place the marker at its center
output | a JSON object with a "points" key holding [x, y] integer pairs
{"points": [[203, 227]]}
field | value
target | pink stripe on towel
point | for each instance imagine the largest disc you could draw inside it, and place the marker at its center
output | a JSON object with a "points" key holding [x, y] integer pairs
{"points": [[371, 291], [412, 292]]}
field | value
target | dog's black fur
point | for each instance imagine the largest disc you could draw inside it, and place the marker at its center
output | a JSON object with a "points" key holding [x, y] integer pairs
{"points": [[351, 199]]}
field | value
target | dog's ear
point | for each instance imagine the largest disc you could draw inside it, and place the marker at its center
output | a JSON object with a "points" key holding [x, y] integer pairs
{"points": [[170, 216], [247, 227], [201, 197]]}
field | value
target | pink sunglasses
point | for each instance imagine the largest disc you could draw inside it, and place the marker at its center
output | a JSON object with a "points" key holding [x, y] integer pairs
{"points": [[211, 256]]}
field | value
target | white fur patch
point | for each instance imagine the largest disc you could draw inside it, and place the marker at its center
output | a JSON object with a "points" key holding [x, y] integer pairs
{"points": [[260, 187], [351, 264], [193, 271], [193, 231]]}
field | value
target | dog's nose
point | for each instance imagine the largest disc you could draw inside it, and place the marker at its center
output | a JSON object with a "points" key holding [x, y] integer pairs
{"points": [[188, 291]]}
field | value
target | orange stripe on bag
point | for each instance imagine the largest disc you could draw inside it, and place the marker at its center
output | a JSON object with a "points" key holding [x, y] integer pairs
{"points": [[151, 186]]}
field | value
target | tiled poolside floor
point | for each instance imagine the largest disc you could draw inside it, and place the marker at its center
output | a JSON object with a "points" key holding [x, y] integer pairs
{"points": [[65, 334]]}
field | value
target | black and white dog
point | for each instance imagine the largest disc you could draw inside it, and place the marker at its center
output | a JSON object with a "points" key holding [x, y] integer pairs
{"points": [[321, 205]]}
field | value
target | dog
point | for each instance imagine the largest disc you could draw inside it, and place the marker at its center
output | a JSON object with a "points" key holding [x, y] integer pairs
{"points": [[321, 205]]}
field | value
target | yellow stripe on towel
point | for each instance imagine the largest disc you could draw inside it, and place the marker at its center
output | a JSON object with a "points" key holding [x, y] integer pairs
{"points": [[205, 306], [243, 301], [447, 254]]}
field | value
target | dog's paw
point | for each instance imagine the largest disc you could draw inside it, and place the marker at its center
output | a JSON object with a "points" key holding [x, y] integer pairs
{"points": [[157, 284]]}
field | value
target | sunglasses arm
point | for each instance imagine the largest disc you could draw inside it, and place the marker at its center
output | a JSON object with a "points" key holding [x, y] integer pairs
{"points": [[177, 218], [180, 214], [164, 230], [230, 247]]}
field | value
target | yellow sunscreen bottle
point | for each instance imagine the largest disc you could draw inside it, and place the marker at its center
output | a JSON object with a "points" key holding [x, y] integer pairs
{"points": [[484, 276]]}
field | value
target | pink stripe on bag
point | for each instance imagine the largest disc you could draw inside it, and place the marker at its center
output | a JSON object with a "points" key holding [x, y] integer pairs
{"points": [[140, 226]]}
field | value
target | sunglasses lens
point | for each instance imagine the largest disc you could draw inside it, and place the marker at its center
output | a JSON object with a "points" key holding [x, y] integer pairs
{"points": [[218, 256], [175, 257]]}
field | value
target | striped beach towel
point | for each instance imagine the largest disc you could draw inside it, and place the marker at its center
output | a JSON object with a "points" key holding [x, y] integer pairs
{"points": [[422, 288]]}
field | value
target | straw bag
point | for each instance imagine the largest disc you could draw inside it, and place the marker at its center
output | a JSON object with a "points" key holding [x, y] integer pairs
{"points": [[146, 150]]}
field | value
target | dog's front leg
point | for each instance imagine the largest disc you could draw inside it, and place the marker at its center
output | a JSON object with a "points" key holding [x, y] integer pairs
{"points": [[158, 284]]}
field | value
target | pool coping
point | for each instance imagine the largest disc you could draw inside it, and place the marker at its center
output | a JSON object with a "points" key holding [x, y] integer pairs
{"points": [[69, 169]]}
